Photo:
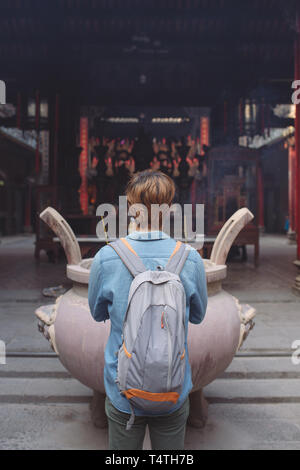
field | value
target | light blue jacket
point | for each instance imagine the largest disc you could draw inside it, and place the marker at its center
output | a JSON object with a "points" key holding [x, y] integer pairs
{"points": [[109, 287]]}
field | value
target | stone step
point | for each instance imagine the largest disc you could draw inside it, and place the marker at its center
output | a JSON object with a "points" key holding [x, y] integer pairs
{"points": [[260, 368], [35, 367], [68, 390], [253, 391], [26, 390], [229, 427], [241, 367]]}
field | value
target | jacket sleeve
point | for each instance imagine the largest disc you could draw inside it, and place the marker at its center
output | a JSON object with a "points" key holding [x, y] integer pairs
{"points": [[198, 301], [98, 300]]}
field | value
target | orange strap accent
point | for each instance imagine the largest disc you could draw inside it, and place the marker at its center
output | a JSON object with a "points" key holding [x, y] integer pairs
{"points": [[182, 355], [125, 351], [177, 246], [128, 245], [168, 396]]}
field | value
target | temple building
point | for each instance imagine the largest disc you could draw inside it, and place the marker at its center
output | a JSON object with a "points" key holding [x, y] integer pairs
{"points": [[202, 90]]}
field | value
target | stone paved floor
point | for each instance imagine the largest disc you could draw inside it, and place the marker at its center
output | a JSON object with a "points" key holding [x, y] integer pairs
{"points": [[254, 405], [22, 279], [20, 271]]}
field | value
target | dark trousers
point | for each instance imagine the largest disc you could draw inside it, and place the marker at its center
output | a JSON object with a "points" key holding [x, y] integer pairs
{"points": [[167, 432]]}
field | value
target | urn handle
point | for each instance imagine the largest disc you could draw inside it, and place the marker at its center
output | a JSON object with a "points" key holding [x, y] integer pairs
{"points": [[228, 234], [65, 234]]}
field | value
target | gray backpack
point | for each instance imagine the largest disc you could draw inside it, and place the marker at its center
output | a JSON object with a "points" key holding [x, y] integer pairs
{"points": [[151, 362]]}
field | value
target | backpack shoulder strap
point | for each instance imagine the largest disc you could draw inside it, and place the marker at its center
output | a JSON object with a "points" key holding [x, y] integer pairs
{"points": [[178, 258], [129, 257]]}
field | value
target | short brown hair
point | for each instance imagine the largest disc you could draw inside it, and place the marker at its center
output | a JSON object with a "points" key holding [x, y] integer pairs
{"points": [[150, 187]]}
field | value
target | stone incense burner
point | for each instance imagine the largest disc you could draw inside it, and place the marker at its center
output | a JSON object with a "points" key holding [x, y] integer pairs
{"points": [[80, 341]]}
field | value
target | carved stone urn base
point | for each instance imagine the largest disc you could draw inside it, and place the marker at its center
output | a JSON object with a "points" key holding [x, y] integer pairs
{"points": [[97, 407], [198, 409]]}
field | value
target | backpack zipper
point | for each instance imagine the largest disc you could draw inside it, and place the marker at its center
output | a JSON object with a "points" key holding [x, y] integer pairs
{"points": [[169, 355], [162, 319]]}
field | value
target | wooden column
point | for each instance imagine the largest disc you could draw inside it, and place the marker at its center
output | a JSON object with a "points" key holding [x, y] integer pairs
{"points": [[297, 151], [297, 138], [292, 194], [55, 148], [53, 145], [260, 191], [83, 162], [28, 209], [37, 128]]}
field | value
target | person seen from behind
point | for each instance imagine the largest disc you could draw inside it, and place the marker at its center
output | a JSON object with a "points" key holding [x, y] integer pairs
{"points": [[149, 286]]}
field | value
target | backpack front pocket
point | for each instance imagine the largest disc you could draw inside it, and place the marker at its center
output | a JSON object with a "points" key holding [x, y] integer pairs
{"points": [[148, 369]]}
